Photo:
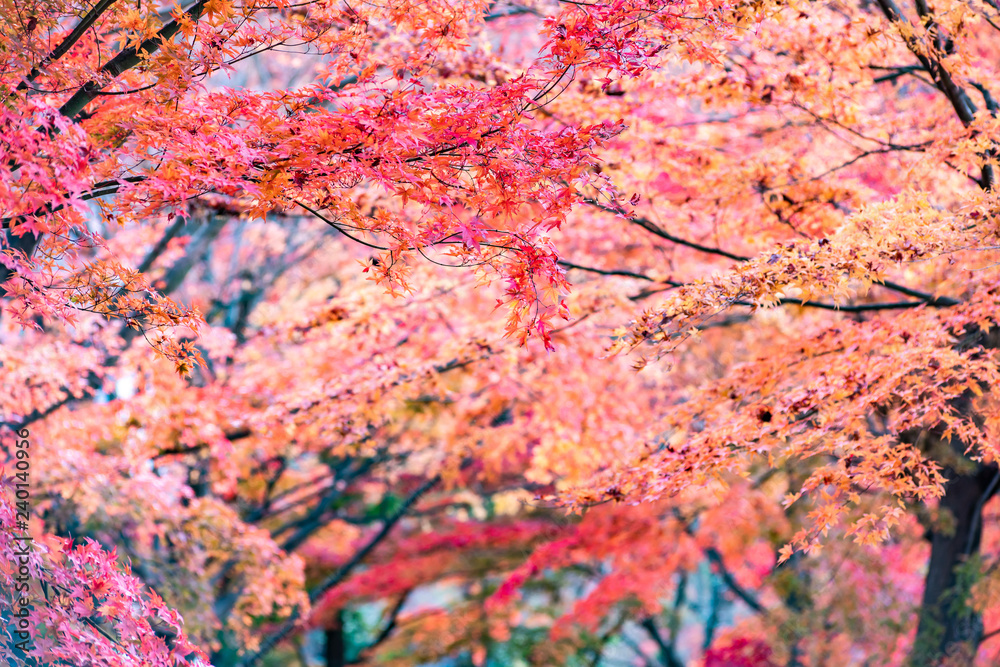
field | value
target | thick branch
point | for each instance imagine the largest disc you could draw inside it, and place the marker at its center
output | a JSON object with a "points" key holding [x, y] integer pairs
{"points": [[963, 106], [390, 625], [667, 654], [64, 46], [308, 525], [341, 574], [727, 578], [126, 60]]}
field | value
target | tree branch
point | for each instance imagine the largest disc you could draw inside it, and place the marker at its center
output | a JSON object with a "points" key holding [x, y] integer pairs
{"points": [[342, 573], [64, 46], [656, 230], [393, 616], [625, 274], [126, 60], [727, 578], [667, 654]]}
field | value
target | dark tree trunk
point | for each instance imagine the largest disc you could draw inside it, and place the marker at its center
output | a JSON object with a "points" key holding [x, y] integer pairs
{"points": [[335, 645], [26, 243], [948, 626]]}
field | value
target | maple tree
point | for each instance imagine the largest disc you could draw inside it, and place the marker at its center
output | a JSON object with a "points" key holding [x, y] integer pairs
{"points": [[259, 257]]}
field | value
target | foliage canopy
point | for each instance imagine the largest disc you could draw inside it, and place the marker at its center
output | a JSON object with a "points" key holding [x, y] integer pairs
{"points": [[323, 314]]}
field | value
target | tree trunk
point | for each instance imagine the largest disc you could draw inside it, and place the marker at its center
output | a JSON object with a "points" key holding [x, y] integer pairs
{"points": [[335, 645], [948, 626]]}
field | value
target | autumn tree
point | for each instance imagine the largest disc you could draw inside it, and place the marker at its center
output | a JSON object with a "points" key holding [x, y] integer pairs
{"points": [[259, 258]]}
